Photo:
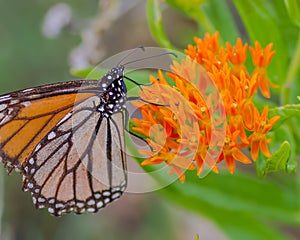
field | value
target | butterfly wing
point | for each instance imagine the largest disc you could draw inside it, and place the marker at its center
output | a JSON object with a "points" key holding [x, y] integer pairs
{"points": [[71, 156], [26, 117]]}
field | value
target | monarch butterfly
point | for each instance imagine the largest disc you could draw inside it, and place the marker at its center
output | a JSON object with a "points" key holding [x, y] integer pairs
{"points": [[42, 130]]}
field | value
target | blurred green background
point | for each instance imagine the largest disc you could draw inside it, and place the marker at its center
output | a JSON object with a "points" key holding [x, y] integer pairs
{"points": [[223, 206]]}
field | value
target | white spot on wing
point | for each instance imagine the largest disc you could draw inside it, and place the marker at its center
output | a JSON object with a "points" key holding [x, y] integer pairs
{"points": [[97, 195], [5, 97], [3, 106], [65, 118], [99, 204], [26, 104], [41, 199], [5, 119], [38, 147], [115, 189], [15, 101], [27, 90], [107, 193], [80, 204], [91, 202], [59, 205], [115, 195], [31, 161], [50, 210], [51, 135]]}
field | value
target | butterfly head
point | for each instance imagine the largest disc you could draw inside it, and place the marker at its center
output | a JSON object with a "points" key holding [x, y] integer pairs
{"points": [[110, 78]]}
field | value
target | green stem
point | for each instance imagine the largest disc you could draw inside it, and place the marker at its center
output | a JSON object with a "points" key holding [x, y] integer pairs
{"points": [[196, 12], [291, 75], [205, 21]]}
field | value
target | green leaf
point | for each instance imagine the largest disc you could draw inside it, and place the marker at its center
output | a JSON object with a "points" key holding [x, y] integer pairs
{"points": [[238, 203], [279, 159], [154, 16], [293, 8], [211, 16], [194, 9], [284, 157], [221, 19], [277, 162], [285, 112], [239, 192], [285, 133], [283, 136]]}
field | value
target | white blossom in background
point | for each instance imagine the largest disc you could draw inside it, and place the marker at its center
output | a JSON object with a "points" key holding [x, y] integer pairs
{"points": [[56, 19], [91, 50], [87, 51]]}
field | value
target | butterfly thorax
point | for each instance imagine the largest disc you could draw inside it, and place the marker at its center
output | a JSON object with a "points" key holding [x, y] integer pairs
{"points": [[113, 97]]}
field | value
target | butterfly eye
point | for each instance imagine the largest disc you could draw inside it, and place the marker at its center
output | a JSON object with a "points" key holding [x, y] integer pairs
{"points": [[123, 87]]}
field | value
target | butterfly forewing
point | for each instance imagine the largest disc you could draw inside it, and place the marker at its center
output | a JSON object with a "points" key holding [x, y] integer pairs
{"points": [[67, 139]]}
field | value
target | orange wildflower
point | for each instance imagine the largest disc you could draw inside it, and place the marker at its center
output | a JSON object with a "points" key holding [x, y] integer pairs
{"points": [[261, 59], [258, 139], [204, 114], [237, 55], [231, 151]]}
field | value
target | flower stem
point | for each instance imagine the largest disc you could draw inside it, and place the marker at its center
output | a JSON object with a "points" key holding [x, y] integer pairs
{"points": [[291, 75]]}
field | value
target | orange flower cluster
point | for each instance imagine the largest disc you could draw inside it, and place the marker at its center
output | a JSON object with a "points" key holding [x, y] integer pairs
{"points": [[203, 111]]}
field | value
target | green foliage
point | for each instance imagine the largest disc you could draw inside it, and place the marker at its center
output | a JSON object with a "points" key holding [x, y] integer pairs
{"points": [[293, 8], [243, 206], [278, 161], [239, 204], [155, 24]]}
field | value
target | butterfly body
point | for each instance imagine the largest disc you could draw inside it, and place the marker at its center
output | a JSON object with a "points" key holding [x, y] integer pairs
{"points": [[67, 140], [115, 93]]}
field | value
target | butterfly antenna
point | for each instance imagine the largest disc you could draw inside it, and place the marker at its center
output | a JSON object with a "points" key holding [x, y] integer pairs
{"points": [[154, 56], [130, 53], [134, 82]]}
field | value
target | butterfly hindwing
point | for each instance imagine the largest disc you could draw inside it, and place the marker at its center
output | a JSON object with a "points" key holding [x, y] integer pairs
{"points": [[73, 168]]}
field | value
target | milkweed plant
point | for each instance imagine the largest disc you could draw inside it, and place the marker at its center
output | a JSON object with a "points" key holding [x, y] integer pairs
{"points": [[232, 101], [251, 54]]}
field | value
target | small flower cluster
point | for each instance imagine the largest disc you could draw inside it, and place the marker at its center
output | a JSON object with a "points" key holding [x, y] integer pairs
{"points": [[181, 126]]}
